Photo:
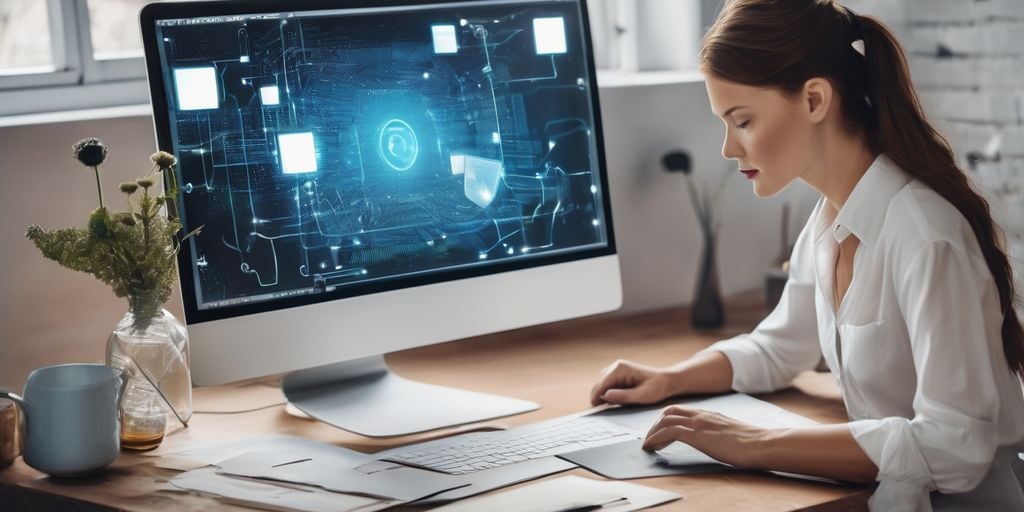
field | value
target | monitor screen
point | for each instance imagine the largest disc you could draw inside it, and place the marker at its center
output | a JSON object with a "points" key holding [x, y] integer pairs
{"points": [[333, 153]]}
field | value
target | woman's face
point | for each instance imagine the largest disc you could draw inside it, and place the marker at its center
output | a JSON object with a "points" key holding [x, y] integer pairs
{"points": [[766, 132]]}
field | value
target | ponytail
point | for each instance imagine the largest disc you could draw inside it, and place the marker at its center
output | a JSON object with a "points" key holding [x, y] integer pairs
{"points": [[905, 136], [783, 43]]}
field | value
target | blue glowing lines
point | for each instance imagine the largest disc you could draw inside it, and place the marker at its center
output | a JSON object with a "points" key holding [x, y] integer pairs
{"points": [[196, 88], [333, 150], [398, 145], [549, 35], [270, 95], [298, 153], [445, 41]]}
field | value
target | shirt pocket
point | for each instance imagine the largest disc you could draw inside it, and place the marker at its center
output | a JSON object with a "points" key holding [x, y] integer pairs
{"points": [[866, 355], [864, 349]]}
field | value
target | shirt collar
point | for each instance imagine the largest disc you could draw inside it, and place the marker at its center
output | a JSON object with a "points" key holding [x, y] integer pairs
{"points": [[864, 211]]}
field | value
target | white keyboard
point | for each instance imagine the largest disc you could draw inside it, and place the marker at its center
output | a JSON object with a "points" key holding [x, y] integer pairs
{"points": [[477, 451]]}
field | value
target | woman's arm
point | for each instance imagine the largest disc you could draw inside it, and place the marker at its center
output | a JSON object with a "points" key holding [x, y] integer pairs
{"points": [[828, 450], [704, 373]]}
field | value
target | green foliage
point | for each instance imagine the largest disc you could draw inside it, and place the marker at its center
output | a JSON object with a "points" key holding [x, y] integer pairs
{"points": [[133, 251]]}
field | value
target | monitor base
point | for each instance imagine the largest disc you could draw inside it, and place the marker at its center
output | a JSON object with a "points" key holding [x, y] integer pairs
{"points": [[363, 396]]}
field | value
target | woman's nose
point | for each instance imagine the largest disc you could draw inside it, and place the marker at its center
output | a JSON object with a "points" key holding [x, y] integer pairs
{"points": [[730, 150]]}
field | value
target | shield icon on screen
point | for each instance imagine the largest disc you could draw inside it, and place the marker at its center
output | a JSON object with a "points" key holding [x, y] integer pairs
{"points": [[482, 176]]}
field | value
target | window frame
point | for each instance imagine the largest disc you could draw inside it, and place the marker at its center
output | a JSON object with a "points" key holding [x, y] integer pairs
{"points": [[66, 66], [76, 79]]}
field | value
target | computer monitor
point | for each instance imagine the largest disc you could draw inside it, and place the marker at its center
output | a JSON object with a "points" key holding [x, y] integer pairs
{"points": [[372, 176]]}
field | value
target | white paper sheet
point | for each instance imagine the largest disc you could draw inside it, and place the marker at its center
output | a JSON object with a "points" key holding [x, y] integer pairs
{"points": [[333, 468], [269, 496], [564, 493]]}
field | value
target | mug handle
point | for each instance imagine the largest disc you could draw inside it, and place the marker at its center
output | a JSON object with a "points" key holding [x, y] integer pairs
{"points": [[20, 402]]}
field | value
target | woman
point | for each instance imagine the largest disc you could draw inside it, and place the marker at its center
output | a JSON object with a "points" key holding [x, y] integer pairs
{"points": [[899, 278]]}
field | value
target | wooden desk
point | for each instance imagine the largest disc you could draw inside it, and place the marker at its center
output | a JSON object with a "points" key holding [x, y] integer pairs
{"points": [[554, 365]]}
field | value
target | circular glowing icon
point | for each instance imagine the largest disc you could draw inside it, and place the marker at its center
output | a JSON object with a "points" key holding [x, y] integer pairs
{"points": [[398, 145]]}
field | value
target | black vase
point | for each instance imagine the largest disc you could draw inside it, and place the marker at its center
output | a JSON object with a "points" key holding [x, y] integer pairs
{"points": [[707, 311]]}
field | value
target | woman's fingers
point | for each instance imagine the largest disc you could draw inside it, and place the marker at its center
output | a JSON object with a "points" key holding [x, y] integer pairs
{"points": [[674, 425], [614, 376], [666, 436]]}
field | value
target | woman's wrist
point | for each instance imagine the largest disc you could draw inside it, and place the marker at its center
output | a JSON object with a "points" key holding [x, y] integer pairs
{"points": [[708, 372], [762, 443], [675, 381]]}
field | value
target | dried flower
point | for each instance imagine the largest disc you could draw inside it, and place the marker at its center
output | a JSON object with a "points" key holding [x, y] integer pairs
{"points": [[163, 159], [91, 152], [132, 250]]}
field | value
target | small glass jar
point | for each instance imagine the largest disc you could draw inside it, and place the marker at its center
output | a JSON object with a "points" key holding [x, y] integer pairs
{"points": [[158, 381]]}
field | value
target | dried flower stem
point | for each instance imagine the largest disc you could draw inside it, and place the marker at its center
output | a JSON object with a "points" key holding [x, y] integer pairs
{"points": [[99, 190]]}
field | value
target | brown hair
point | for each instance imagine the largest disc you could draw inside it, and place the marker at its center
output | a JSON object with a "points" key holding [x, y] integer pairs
{"points": [[783, 43]]}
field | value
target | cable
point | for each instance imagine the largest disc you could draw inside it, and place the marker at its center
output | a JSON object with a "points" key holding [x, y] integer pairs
{"points": [[241, 411]]}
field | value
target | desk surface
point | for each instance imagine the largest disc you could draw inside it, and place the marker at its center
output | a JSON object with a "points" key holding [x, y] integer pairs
{"points": [[554, 365]]}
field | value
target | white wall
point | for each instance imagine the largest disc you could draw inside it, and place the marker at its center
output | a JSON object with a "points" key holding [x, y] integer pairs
{"points": [[49, 314]]}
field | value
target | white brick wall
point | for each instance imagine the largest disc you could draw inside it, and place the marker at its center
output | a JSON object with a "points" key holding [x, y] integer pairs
{"points": [[975, 96]]}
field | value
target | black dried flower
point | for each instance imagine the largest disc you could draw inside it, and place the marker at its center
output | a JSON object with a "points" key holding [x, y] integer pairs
{"points": [[91, 152]]}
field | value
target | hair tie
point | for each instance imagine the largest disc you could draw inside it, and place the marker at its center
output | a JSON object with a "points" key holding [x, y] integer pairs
{"points": [[858, 45], [858, 32]]}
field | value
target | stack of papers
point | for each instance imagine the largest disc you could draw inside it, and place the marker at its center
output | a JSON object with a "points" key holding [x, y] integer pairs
{"points": [[322, 477]]}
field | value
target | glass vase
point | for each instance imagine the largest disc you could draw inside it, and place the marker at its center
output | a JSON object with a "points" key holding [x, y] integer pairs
{"points": [[707, 311], [154, 356]]}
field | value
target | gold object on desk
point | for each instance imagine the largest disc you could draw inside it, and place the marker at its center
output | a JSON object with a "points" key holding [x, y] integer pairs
{"points": [[10, 434]]}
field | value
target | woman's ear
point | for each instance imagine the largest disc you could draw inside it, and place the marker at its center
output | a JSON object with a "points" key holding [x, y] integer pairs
{"points": [[817, 98]]}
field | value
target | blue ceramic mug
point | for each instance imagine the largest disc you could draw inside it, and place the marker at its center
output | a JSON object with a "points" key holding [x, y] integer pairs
{"points": [[70, 418]]}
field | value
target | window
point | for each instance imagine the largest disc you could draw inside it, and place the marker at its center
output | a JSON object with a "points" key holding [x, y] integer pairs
{"points": [[24, 37], [75, 54], [114, 28], [70, 54], [647, 35]]}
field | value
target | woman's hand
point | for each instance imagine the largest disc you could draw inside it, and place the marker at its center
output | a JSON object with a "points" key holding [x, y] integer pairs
{"points": [[626, 382], [723, 438]]}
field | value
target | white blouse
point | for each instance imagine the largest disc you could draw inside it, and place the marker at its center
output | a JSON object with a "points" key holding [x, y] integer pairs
{"points": [[915, 346]]}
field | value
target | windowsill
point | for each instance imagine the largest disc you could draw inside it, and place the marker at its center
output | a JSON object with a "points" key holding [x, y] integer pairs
{"points": [[608, 79], [70, 116]]}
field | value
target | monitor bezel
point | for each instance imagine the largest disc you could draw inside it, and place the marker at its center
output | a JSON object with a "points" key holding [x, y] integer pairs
{"points": [[161, 120]]}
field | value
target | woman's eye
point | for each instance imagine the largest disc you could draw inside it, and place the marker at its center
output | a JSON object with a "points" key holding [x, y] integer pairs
{"points": [[743, 125]]}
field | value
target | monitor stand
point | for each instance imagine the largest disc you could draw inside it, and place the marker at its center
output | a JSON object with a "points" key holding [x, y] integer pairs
{"points": [[363, 396]]}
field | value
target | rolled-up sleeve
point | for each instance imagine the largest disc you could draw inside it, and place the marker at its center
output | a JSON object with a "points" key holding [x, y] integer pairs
{"points": [[949, 444], [785, 343]]}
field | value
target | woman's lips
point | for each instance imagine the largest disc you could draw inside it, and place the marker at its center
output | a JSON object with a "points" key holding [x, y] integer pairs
{"points": [[750, 173]]}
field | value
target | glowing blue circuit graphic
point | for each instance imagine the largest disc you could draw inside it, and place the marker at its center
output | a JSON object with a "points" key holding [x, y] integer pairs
{"points": [[398, 144], [320, 150]]}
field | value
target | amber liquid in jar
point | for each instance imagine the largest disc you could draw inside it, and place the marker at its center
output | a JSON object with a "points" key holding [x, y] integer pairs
{"points": [[141, 441]]}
